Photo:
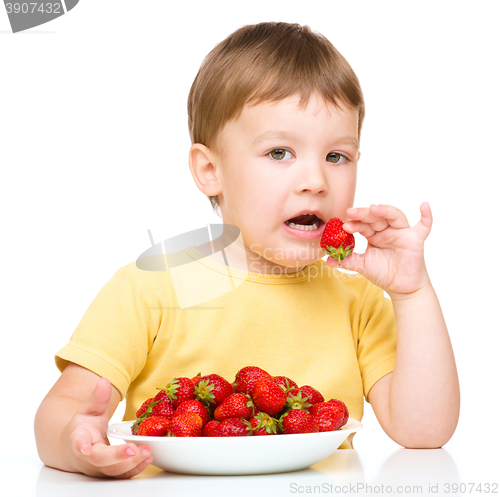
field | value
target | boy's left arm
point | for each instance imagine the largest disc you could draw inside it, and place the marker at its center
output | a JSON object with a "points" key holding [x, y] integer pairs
{"points": [[417, 404]]}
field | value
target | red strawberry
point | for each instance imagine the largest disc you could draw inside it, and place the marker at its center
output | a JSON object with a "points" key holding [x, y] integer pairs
{"points": [[149, 404], [143, 408], [163, 408], [154, 426], [179, 389], [298, 421], [212, 389], [336, 242], [313, 395], [268, 396], [329, 415], [345, 419], [236, 405], [186, 424], [194, 406], [235, 427], [211, 429], [161, 395], [196, 379], [286, 383], [247, 377], [263, 424]]}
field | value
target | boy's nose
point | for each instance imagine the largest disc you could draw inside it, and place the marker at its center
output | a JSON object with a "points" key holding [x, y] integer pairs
{"points": [[312, 179]]}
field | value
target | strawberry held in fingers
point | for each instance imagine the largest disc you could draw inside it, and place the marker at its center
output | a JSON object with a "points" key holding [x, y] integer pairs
{"points": [[336, 242]]}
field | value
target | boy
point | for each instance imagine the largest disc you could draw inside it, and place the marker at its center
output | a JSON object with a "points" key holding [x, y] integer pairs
{"points": [[275, 115]]}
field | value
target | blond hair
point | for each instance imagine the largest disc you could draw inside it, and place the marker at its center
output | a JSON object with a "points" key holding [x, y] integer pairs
{"points": [[267, 62]]}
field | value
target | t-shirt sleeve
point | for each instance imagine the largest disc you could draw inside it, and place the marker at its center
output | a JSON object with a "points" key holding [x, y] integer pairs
{"points": [[377, 337], [116, 332]]}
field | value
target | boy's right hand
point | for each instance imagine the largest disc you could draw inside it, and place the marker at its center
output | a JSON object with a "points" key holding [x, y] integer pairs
{"points": [[91, 452]]}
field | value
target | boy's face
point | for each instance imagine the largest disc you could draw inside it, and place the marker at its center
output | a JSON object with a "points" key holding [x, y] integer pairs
{"points": [[277, 162]]}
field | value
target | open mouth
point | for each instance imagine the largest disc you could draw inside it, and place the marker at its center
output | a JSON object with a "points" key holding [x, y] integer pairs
{"points": [[305, 222]]}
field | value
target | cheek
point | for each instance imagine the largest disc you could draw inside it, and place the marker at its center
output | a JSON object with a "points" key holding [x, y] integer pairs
{"points": [[248, 179], [347, 179], [236, 170]]}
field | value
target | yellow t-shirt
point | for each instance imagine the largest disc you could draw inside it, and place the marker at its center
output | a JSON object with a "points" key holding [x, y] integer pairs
{"points": [[320, 327]]}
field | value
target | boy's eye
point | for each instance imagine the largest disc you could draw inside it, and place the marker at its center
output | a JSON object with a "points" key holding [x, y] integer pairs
{"points": [[335, 158], [280, 154]]}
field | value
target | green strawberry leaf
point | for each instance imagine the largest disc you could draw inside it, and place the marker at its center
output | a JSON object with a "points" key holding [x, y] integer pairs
{"points": [[203, 392]]}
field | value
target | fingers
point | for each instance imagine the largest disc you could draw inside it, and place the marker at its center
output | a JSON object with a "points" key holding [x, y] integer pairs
{"points": [[123, 461], [368, 221], [126, 455], [119, 461], [98, 400], [376, 218], [137, 469]]}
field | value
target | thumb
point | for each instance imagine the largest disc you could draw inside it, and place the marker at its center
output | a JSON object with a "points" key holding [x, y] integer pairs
{"points": [[424, 226], [98, 400]]}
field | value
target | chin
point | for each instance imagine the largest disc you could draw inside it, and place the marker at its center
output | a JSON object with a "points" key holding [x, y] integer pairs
{"points": [[296, 265]]}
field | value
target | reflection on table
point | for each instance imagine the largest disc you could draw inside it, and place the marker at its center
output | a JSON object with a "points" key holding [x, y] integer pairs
{"points": [[342, 473]]}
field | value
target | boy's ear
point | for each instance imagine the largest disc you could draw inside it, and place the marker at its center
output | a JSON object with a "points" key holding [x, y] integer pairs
{"points": [[205, 174]]}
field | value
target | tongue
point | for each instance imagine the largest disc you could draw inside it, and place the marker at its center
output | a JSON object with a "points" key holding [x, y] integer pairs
{"points": [[303, 219]]}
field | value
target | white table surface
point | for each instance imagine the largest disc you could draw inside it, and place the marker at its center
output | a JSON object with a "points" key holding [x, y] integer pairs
{"points": [[346, 472], [377, 463]]}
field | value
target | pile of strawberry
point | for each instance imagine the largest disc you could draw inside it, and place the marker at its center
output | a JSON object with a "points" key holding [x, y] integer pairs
{"points": [[256, 403]]}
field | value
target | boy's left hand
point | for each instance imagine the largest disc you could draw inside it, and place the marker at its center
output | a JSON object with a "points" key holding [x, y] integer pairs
{"points": [[394, 257]]}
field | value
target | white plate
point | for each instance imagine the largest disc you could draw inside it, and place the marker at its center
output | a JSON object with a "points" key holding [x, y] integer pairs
{"points": [[238, 455]]}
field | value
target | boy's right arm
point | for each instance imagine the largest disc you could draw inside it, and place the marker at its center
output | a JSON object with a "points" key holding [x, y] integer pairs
{"points": [[71, 424]]}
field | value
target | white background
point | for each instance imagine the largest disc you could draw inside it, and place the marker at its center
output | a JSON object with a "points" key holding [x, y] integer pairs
{"points": [[94, 144]]}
